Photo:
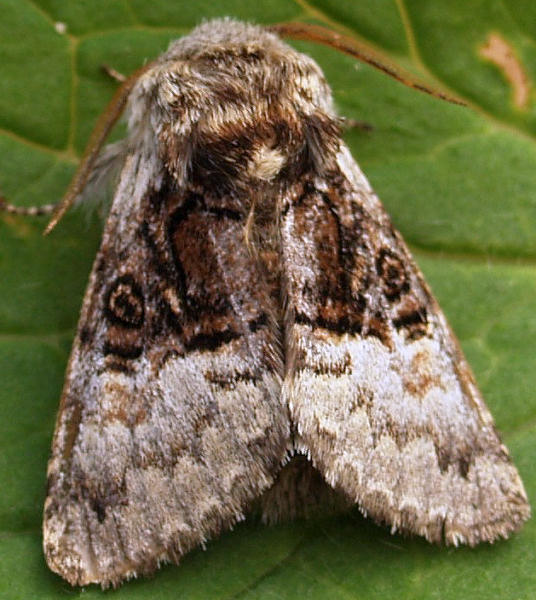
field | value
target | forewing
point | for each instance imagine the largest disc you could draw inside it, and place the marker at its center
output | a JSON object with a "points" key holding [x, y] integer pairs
{"points": [[171, 419], [380, 394]]}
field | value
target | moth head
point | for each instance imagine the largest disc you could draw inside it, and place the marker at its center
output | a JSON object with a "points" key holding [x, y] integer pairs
{"points": [[222, 66], [231, 105]]}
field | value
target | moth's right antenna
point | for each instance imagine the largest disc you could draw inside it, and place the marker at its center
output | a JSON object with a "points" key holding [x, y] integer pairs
{"points": [[104, 125], [328, 37]]}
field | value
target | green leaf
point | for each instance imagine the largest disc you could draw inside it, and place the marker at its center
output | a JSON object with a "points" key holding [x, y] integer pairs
{"points": [[459, 183]]}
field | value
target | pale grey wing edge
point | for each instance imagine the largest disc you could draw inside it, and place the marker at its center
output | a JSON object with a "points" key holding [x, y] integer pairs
{"points": [[379, 392]]}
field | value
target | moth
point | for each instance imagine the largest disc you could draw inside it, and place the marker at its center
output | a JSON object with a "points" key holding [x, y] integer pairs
{"points": [[255, 331]]}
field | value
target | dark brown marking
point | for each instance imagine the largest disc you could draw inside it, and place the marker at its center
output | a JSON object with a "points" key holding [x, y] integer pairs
{"points": [[464, 464], [339, 327], [414, 322], [74, 412], [394, 278], [337, 368], [377, 327], [196, 262], [211, 342], [129, 352], [333, 299], [119, 366], [206, 241], [258, 323], [124, 303], [229, 381], [84, 335], [99, 508], [462, 459], [209, 289], [219, 159], [172, 319]]}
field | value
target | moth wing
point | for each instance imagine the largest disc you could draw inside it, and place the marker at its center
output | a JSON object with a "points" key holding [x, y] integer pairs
{"points": [[171, 421], [380, 395]]}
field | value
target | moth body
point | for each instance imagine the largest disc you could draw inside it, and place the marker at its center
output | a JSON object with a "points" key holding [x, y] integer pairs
{"points": [[251, 302]]}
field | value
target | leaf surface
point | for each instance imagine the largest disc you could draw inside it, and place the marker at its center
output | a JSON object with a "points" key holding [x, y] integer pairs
{"points": [[459, 183]]}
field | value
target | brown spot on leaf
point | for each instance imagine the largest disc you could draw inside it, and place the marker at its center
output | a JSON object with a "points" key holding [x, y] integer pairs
{"points": [[498, 51]]}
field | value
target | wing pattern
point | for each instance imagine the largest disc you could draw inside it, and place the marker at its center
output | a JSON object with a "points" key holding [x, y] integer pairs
{"points": [[379, 392], [171, 420]]}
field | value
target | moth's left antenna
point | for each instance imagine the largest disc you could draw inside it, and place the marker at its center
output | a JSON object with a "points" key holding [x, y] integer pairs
{"points": [[102, 129]]}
